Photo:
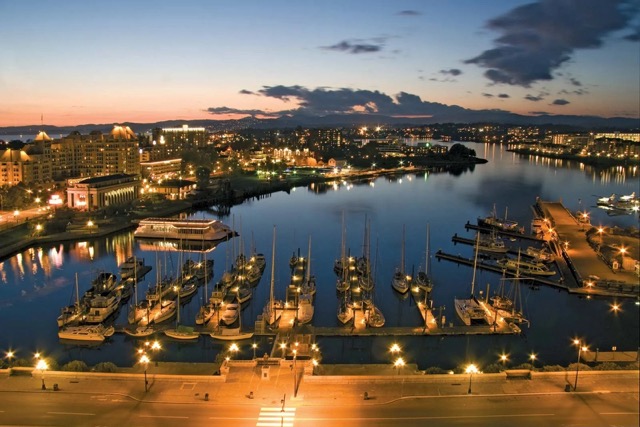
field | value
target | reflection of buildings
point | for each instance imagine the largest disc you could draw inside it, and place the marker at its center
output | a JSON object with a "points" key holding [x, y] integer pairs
{"points": [[176, 245]]}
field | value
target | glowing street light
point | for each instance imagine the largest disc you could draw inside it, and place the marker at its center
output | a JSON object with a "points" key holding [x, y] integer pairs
{"points": [[581, 348], [471, 369], [395, 348], [399, 363], [533, 358], [504, 358], [615, 307], [144, 359], [254, 346], [283, 346], [42, 366]]}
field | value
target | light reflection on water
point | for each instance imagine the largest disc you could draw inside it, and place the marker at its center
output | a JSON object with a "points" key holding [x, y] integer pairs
{"points": [[37, 282]]}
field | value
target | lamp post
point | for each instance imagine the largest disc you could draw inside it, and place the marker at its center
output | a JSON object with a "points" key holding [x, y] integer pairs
{"points": [[254, 346], [42, 366], [581, 348], [399, 363], [471, 369], [295, 373], [233, 348], [503, 359], [283, 346], [533, 357], [9, 355]]}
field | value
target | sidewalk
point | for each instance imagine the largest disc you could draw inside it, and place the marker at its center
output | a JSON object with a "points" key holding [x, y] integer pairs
{"points": [[313, 390]]}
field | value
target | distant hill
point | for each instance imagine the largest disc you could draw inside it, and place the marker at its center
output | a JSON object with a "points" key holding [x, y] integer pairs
{"points": [[451, 114]]}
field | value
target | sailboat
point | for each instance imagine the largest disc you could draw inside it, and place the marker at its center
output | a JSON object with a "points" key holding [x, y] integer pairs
{"points": [[508, 303], [400, 281], [72, 313], [341, 265], [423, 281], [373, 316], [207, 309], [305, 298], [271, 314], [363, 267], [181, 332], [469, 309], [345, 312]]}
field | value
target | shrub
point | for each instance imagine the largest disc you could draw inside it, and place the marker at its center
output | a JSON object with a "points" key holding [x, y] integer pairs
{"points": [[606, 366], [105, 367], [552, 368], [434, 370], [583, 367], [493, 368], [76, 366], [528, 366]]}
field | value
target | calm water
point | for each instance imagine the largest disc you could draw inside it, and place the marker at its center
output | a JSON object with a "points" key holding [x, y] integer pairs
{"points": [[36, 283]]}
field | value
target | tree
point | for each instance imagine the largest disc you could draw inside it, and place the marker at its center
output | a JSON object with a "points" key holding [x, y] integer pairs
{"points": [[460, 151]]}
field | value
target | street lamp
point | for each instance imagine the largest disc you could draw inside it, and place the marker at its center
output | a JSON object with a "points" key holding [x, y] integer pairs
{"points": [[471, 369], [9, 355], [233, 348], [503, 359], [533, 357], [581, 348], [399, 363], [144, 359], [615, 307], [395, 348], [254, 346], [42, 366], [283, 346]]}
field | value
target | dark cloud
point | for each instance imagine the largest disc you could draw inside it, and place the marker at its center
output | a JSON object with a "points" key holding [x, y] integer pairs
{"points": [[539, 113], [409, 13], [487, 95], [451, 71], [355, 47], [246, 92], [574, 81], [560, 102], [324, 101], [634, 36], [533, 98], [504, 95], [537, 38]]}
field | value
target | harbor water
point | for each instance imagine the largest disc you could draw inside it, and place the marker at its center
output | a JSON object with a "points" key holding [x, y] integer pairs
{"points": [[37, 282]]}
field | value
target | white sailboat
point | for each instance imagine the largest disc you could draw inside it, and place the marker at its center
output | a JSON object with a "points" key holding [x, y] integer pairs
{"points": [[305, 298], [400, 281], [469, 309], [423, 280], [207, 309], [181, 332], [271, 313], [72, 313]]}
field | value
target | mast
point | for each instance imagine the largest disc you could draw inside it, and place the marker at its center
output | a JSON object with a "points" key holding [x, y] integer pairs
{"points": [[475, 264], [309, 262], [426, 255], [135, 280], [273, 268], [77, 295], [402, 253]]}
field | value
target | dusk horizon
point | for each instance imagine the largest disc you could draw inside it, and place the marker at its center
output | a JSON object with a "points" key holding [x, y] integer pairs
{"points": [[162, 61]]}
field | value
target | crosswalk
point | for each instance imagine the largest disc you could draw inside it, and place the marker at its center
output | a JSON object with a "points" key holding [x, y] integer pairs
{"points": [[276, 417]]}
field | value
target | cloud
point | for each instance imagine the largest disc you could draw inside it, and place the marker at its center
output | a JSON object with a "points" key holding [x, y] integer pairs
{"points": [[487, 95], [451, 71], [246, 92], [574, 81], [634, 36], [533, 98], [537, 38], [324, 101], [355, 47], [504, 95], [560, 102], [409, 13]]}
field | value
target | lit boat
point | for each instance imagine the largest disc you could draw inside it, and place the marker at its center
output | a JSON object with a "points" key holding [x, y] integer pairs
{"points": [[492, 243], [400, 281], [500, 224], [94, 333], [242, 294], [159, 312], [72, 313], [536, 269], [139, 331], [539, 255], [202, 270], [183, 229], [182, 333], [230, 314], [231, 334], [345, 312], [134, 267], [101, 307], [469, 311], [305, 309], [205, 313], [373, 316]]}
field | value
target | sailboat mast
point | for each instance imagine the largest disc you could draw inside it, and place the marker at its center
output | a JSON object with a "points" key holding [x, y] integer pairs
{"points": [[135, 279], [426, 255], [402, 253], [77, 295], [309, 262], [273, 267], [475, 264]]}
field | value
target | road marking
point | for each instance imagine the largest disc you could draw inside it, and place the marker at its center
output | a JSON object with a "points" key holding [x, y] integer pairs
{"points": [[276, 416], [451, 417], [619, 413], [164, 416], [69, 413]]}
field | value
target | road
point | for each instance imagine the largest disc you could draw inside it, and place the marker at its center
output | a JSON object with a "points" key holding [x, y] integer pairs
{"points": [[549, 409]]}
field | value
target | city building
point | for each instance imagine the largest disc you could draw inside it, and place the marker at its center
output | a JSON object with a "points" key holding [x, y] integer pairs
{"points": [[169, 143], [103, 191], [29, 164]]}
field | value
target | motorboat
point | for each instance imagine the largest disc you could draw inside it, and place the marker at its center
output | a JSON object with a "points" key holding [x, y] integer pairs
{"points": [[101, 307], [501, 224], [230, 314], [526, 268], [93, 333], [134, 267], [305, 309], [492, 243], [200, 230], [539, 255]]}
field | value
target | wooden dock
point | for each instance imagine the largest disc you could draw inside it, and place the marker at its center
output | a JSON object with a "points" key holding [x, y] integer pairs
{"points": [[509, 234], [609, 356]]}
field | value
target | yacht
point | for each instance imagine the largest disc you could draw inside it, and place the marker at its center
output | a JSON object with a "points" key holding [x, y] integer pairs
{"points": [[230, 314], [134, 267], [530, 268], [492, 243], [159, 312], [93, 333], [539, 255], [183, 229], [501, 224], [101, 307]]}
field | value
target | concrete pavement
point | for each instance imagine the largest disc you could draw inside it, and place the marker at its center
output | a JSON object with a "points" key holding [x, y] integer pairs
{"points": [[242, 384]]}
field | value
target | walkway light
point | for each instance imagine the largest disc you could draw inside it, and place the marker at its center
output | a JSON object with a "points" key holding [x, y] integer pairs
{"points": [[581, 348], [42, 366], [471, 369]]}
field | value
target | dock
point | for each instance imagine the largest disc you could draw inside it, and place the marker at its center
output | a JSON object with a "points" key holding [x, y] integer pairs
{"points": [[509, 234], [609, 356]]}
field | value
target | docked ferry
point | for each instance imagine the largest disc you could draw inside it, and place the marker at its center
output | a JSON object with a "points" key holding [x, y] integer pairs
{"points": [[207, 230]]}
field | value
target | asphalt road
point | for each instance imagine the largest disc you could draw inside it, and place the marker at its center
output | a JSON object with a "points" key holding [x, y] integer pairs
{"points": [[556, 409]]}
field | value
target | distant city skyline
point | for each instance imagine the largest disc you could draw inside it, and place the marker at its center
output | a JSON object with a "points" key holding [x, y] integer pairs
{"points": [[77, 62]]}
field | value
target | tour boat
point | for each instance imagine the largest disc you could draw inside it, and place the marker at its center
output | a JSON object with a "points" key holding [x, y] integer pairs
{"points": [[94, 333], [207, 230]]}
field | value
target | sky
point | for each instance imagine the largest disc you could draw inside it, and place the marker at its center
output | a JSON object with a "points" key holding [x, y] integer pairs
{"points": [[78, 62]]}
